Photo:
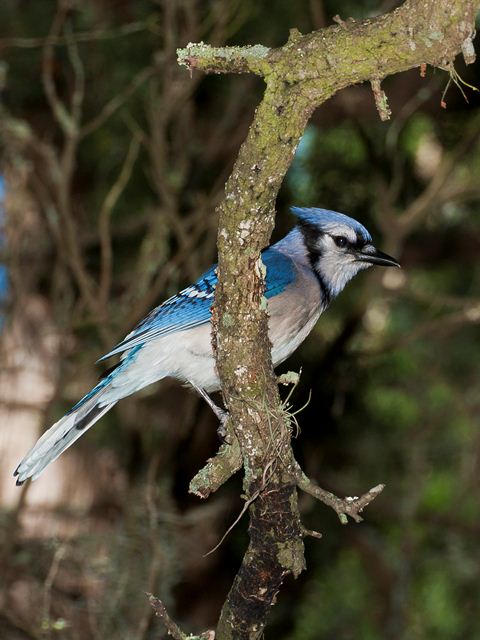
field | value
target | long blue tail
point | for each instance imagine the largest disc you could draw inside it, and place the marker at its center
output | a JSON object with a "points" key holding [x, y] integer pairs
{"points": [[64, 433], [78, 420]]}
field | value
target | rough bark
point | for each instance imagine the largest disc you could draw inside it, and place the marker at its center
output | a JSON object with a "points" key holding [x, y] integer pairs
{"points": [[299, 77]]}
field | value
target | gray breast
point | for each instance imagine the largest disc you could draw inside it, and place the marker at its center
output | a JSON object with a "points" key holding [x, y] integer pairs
{"points": [[293, 314]]}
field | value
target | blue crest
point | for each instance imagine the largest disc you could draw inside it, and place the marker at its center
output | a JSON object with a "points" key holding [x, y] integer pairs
{"points": [[325, 217]]}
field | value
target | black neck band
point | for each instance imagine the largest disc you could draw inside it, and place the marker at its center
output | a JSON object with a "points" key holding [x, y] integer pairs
{"points": [[311, 235]]}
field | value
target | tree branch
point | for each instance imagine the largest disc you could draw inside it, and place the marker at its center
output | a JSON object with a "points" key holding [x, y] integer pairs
{"points": [[172, 627], [343, 507], [299, 77], [104, 216], [226, 462], [81, 36], [225, 59], [431, 32]]}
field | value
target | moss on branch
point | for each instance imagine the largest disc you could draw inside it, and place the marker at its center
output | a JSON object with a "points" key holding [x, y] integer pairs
{"points": [[431, 32], [218, 469], [224, 59]]}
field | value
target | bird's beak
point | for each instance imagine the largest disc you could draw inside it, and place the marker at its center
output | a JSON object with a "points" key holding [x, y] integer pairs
{"points": [[373, 256]]}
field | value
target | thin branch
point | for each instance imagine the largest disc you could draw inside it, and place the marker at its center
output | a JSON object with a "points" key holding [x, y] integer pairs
{"points": [[117, 101], [243, 511], [49, 580], [343, 507], [172, 627], [81, 36], [432, 328], [224, 464], [58, 108], [421, 206], [79, 77], [104, 217], [381, 100], [158, 284], [250, 59], [161, 611]]}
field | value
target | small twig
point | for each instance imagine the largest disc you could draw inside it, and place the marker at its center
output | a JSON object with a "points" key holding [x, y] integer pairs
{"points": [[431, 196], [267, 472], [171, 626], [48, 584], [248, 59], [381, 100], [79, 77], [180, 259], [234, 523], [104, 217], [155, 538], [343, 507], [226, 462], [61, 166], [343, 23], [458, 80], [442, 326], [336, 18], [81, 36], [311, 533], [468, 51], [443, 103], [161, 611], [117, 101], [58, 108]]}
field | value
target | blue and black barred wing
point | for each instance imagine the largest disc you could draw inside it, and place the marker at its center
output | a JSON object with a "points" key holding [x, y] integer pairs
{"points": [[192, 306]]}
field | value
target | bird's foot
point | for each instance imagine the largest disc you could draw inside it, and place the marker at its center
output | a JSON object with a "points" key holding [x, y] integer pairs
{"points": [[221, 414]]}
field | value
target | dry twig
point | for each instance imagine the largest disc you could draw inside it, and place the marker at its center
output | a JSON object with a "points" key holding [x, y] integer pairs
{"points": [[343, 507], [171, 626]]}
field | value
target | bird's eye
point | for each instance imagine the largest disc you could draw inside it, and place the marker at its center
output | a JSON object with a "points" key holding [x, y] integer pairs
{"points": [[340, 241]]}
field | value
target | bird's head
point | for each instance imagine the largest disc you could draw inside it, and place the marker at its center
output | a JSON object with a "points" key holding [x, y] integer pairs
{"points": [[338, 247]]}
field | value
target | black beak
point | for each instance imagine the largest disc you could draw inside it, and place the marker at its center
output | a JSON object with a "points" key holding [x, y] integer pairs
{"points": [[374, 256]]}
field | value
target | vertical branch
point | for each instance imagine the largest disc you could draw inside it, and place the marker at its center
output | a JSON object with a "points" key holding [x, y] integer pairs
{"points": [[58, 109], [104, 218], [245, 365], [69, 122]]}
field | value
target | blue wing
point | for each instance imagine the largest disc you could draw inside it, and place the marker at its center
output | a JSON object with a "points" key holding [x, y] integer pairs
{"points": [[192, 306]]}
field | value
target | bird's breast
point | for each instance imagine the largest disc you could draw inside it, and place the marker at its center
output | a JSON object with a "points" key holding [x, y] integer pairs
{"points": [[293, 315]]}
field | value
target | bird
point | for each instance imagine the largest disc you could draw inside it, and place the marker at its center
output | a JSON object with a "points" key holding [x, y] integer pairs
{"points": [[305, 271]]}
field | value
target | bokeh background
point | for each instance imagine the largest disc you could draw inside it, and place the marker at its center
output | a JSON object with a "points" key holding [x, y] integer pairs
{"points": [[113, 159]]}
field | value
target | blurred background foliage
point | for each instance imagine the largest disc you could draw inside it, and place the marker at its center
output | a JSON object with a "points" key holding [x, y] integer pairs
{"points": [[111, 179]]}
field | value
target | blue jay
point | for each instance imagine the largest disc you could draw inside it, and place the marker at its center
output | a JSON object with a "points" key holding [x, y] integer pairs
{"points": [[304, 271]]}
